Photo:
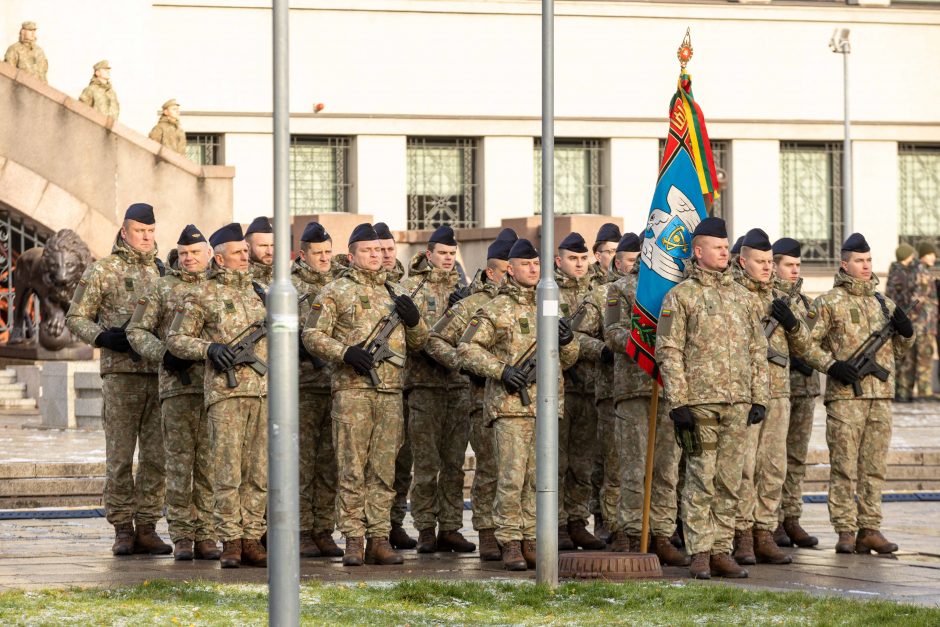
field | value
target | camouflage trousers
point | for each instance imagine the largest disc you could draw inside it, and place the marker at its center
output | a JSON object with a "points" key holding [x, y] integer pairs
{"points": [[317, 461], [577, 450], [606, 476], [132, 419], [483, 491], [367, 435], [798, 435], [710, 494], [404, 461], [439, 425], [238, 436], [633, 427], [916, 368], [514, 507], [765, 468], [858, 433], [188, 468]]}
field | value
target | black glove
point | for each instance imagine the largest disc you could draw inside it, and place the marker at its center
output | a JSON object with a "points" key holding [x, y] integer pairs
{"points": [[682, 417], [607, 355], [783, 314], [408, 311], [475, 379], [513, 379], [800, 366], [221, 356], [756, 415], [173, 363], [843, 372], [902, 323], [565, 334], [114, 339], [359, 358], [457, 295]]}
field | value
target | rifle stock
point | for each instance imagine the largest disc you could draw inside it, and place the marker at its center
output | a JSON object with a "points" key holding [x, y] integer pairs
{"points": [[244, 350]]}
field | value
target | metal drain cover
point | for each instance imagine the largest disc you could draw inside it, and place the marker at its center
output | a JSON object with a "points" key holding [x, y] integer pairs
{"points": [[608, 565]]}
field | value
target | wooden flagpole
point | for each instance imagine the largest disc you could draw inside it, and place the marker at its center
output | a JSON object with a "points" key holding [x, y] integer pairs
{"points": [[648, 482]]}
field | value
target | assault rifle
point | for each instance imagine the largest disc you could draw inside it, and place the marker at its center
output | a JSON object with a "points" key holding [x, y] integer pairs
{"points": [[689, 440], [244, 348], [574, 322], [377, 344], [864, 357], [526, 363], [314, 360], [770, 325]]}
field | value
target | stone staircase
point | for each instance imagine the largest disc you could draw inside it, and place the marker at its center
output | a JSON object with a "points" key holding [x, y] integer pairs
{"points": [[908, 470], [28, 485], [13, 394]]}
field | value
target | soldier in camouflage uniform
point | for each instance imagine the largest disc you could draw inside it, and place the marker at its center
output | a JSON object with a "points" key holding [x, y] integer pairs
{"points": [[367, 419], [858, 428], [312, 270], [925, 321], [182, 403], [100, 94], [499, 334], [902, 283], [260, 238], [205, 324], [712, 355], [101, 308], [442, 346], [26, 55], [168, 131], [438, 407]]}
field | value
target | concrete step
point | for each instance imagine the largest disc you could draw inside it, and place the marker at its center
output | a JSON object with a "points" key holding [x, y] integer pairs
{"points": [[29, 470], [89, 423], [12, 386], [52, 486], [7, 375], [8, 392], [926, 485], [87, 381], [33, 502], [17, 403], [88, 407]]}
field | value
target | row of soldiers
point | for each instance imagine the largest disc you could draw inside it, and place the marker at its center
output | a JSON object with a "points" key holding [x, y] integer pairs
{"points": [[28, 56]]}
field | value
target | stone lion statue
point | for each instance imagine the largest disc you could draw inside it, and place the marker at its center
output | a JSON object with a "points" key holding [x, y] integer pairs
{"points": [[51, 273]]}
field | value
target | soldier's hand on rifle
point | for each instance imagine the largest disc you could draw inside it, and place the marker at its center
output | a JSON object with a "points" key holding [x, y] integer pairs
{"points": [[843, 372], [783, 314], [902, 323], [173, 363], [408, 311], [513, 379], [115, 339], [359, 358], [682, 417], [221, 356], [756, 415], [565, 334], [607, 355]]}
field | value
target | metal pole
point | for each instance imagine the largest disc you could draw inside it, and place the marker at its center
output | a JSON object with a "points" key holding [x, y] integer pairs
{"points": [[283, 506], [847, 210], [546, 422]]}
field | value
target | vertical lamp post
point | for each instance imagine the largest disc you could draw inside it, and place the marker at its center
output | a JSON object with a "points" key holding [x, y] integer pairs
{"points": [[840, 45]]}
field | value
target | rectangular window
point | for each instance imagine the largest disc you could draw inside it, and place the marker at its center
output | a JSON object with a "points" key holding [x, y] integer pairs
{"points": [[318, 175], [721, 153], [578, 183], [919, 192], [442, 182], [204, 149], [811, 198]]}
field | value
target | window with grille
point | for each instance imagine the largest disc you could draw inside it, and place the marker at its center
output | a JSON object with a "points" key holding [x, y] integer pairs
{"points": [[318, 175], [721, 153], [204, 149], [442, 182], [919, 192], [578, 184], [811, 198]]}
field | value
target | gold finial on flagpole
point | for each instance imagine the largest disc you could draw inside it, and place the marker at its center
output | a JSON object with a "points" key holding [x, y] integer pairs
{"points": [[685, 50]]}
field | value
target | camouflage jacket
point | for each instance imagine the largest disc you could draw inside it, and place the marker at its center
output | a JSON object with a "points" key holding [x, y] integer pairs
{"points": [[421, 369], [28, 57], [346, 312], [106, 297], [925, 316], [100, 96], [262, 274], [220, 312], [580, 377], [498, 335], [845, 316], [710, 345], [169, 133], [630, 381], [800, 384], [592, 325], [902, 283], [151, 321], [308, 283], [783, 342]]}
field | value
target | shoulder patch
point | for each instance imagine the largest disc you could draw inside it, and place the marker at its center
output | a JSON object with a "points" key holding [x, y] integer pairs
{"points": [[613, 302], [664, 326], [139, 311], [178, 319], [315, 310], [471, 330], [79, 291]]}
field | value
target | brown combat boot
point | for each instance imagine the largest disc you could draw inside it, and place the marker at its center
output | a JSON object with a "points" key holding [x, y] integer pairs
{"points": [[619, 542], [846, 542], [183, 550], [781, 537], [528, 552], [253, 554], [744, 547], [722, 565], [454, 541], [327, 546], [379, 551], [791, 524], [489, 548], [308, 546], [635, 543], [512, 556], [669, 555], [231, 554], [427, 543], [399, 539], [700, 567], [207, 550], [564, 540], [869, 540], [146, 540], [584, 539], [355, 550], [766, 550], [123, 539]]}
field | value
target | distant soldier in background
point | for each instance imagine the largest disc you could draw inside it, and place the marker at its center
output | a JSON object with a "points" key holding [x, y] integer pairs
{"points": [[100, 94], [925, 320], [26, 54], [168, 130], [901, 286]]}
